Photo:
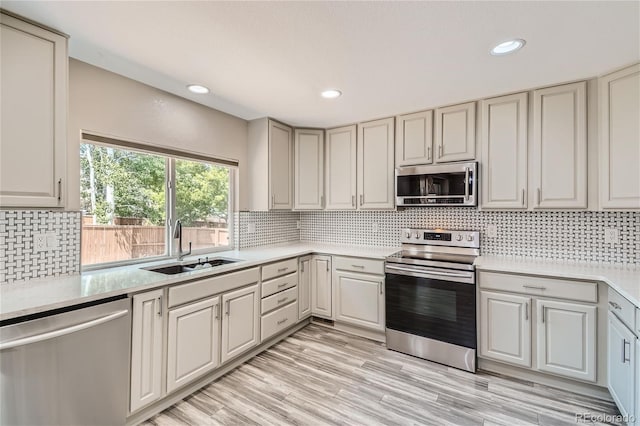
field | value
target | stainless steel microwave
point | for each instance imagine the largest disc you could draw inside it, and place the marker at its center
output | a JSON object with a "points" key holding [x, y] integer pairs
{"points": [[453, 184]]}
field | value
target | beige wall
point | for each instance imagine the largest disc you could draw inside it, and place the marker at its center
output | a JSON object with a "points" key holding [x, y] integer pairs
{"points": [[112, 105]]}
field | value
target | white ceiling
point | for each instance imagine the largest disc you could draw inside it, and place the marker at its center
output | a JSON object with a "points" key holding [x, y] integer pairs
{"points": [[273, 58]]}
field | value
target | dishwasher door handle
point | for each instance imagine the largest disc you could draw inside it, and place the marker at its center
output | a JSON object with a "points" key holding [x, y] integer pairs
{"points": [[61, 332]]}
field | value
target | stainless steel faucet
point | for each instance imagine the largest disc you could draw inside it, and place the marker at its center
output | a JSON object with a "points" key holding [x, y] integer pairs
{"points": [[177, 233]]}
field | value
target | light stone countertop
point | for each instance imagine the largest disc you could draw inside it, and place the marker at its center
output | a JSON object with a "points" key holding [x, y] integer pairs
{"points": [[40, 295], [625, 280]]}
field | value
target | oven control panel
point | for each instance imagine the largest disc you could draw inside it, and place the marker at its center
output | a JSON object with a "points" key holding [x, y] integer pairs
{"points": [[441, 237]]}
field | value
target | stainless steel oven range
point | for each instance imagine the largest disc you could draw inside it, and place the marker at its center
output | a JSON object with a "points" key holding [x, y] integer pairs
{"points": [[431, 296]]}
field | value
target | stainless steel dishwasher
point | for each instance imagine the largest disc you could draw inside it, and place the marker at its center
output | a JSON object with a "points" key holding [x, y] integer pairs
{"points": [[70, 367]]}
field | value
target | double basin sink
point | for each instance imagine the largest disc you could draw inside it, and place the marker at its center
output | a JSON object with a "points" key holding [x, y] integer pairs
{"points": [[179, 268]]}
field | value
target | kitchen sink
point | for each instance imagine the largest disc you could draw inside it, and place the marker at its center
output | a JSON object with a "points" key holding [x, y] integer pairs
{"points": [[174, 269]]}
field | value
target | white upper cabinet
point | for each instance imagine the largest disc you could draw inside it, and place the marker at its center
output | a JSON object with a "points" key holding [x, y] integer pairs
{"points": [[504, 152], [340, 154], [414, 138], [376, 164], [33, 123], [270, 161], [559, 164], [619, 99], [309, 169], [455, 136]]}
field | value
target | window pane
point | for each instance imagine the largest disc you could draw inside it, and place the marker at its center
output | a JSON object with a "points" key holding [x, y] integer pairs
{"points": [[202, 203], [123, 203]]}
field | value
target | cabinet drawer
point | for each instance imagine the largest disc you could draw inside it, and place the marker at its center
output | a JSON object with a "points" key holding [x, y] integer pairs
{"points": [[278, 320], [209, 286], [279, 299], [279, 268], [358, 264], [622, 308], [539, 286], [278, 284]]}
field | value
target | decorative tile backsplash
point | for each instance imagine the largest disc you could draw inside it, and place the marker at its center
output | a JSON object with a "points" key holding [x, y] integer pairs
{"points": [[576, 236], [268, 228], [18, 258], [562, 235]]}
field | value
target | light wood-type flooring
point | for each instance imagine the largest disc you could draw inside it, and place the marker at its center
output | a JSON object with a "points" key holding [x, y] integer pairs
{"points": [[319, 376]]}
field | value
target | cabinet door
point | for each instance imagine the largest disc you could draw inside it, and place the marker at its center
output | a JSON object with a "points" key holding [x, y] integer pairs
{"points": [[280, 166], [621, 366], [559, 167], [240, 322], [505, 328], [620, 139], [359, 300], [193, 341], [146, 349], [309, 169], [33, 123], [340, 188], [504, 152], [321, 295], [376, 164], [304, 287], [414, 138], [456, 133], [567, 339]]}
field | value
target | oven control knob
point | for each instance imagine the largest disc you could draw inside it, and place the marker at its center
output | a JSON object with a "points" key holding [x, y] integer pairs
{"points": [[407, 234], [417, 236], [458, 237], [469, 237]]}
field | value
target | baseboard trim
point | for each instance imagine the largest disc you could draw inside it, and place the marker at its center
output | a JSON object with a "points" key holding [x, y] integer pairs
{"points": [[166, 402], [518, 373]]}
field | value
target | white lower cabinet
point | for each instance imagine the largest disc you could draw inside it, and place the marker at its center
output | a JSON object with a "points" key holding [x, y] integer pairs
{"points": [[505, 328], [321, 294], [622, 368], [304, 287], [561, 341], [146, 349], [193, 341], [566, 339], [240, 321], [359, 300]]}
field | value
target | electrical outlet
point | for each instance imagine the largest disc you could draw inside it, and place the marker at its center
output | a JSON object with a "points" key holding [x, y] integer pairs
{"points": [[492, 231], [45, 241], [251, 228], [611, 236], [297, 224], [374, 227]]}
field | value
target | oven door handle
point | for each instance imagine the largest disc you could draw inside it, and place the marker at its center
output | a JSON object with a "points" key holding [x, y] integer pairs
{"points": [[417, 271]]}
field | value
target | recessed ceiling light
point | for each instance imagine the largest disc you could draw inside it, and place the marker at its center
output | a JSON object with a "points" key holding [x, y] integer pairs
{"points": [[507, 47], [331, 93], [196, 88]]}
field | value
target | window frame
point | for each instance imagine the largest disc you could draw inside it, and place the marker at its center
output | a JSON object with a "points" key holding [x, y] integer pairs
{"points": [[170, 156]]}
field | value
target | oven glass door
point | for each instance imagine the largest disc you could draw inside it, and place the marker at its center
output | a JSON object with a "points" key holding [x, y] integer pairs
{"points": [[432, 308]]}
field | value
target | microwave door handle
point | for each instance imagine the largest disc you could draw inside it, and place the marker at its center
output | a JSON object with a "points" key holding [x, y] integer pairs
{"points": [[466, 184]]}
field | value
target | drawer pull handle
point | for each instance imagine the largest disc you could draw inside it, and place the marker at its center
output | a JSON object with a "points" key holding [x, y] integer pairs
{"points": [[282, 321], [284, 299], [624, 351], [282, 285], [282, 269], [614, 305], [358, 266], [535, 287]]}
